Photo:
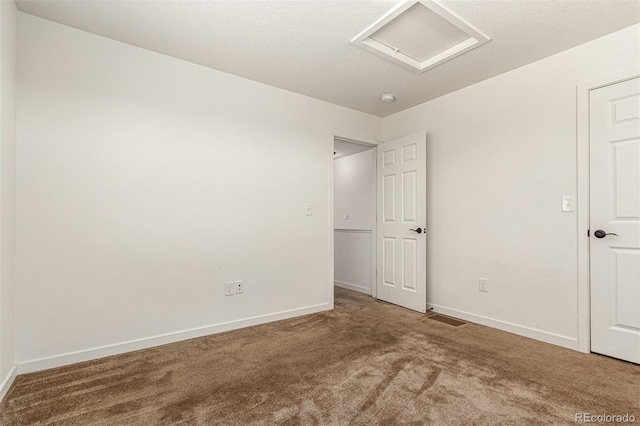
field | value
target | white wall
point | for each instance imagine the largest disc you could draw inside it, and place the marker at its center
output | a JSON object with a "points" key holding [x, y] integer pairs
{"points": [[353, 194], [353, 191], [353, 260], [501, 154], [145, 182], [7, 190]]}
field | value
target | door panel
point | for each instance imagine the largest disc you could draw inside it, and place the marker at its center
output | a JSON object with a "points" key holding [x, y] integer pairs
{"points": [[615, 208], [401, 175], [410, 263], [389, 198], [409, 197], [626, 191], [389, 261], [626, 273]]}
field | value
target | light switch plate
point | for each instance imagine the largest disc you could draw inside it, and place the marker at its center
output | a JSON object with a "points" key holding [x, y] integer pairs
{"points": [[568, 203], [229, 288], [483, 284]]}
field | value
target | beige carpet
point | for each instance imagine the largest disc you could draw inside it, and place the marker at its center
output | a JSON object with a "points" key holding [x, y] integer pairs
{"points": [[366, 362]]}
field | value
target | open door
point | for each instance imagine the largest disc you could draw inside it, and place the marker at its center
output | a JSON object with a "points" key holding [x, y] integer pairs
{"points": [[401, 220], [614, 134]]}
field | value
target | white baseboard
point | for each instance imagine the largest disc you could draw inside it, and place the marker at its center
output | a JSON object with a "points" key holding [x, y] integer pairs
{"points": [[7, 382], [533, 333], [163, 339], [354, 287]]}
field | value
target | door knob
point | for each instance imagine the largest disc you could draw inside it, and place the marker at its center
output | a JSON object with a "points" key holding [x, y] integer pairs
{"points": [[601, 234], [418, 230]]}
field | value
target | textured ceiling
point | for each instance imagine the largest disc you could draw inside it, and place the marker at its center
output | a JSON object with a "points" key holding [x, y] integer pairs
{"points": [[303, 46]]}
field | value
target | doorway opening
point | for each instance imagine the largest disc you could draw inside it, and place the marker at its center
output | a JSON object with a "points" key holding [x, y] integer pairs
{"points": [[354, 216]]}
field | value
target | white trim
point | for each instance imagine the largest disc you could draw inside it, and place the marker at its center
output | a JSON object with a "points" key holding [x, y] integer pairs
{"points": [[582, 205], [330, 212], [7, 382], [353, 231], [533, 333], [374, 232], [354, 287], [147, 342], [476, 38]]}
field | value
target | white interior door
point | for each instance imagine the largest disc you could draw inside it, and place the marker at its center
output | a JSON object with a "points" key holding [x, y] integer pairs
{"points": [[615, 211], [401, 220]]}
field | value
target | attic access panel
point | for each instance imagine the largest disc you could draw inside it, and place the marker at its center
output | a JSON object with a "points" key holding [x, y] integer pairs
{"points": [[419, 35]]}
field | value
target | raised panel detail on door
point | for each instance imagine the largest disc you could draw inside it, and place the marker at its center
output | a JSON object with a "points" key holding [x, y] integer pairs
{"points": [[626, 179], [389, 198], [409, 197], [389, 261], [401, 212], [626, 109], [626, 270], [389, 158], [409, 263], [409, 153]]}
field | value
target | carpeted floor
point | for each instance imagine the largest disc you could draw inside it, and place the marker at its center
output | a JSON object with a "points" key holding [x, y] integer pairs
{"points": [[367, 362]]}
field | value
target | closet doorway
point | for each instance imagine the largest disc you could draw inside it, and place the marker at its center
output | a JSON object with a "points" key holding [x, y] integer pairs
{"points": [[354, 179]]}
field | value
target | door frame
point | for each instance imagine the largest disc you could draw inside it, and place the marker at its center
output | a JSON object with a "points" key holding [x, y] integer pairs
{"points": [[332, 137], [582, 205]]}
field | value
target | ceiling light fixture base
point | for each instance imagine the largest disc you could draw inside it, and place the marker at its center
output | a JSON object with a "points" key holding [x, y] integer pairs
{"points": [[387, 98]]}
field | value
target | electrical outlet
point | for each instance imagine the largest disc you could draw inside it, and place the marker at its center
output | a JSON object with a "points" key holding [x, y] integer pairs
{"points": [[228, 288], [239, 287], [483, 284], [308, 210]]}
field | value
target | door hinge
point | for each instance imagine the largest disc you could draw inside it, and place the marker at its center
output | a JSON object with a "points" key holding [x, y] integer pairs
{"points": [[588, 234]]}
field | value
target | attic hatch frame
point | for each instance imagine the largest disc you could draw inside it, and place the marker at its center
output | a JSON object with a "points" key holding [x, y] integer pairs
{"points": [[364, 40]]}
